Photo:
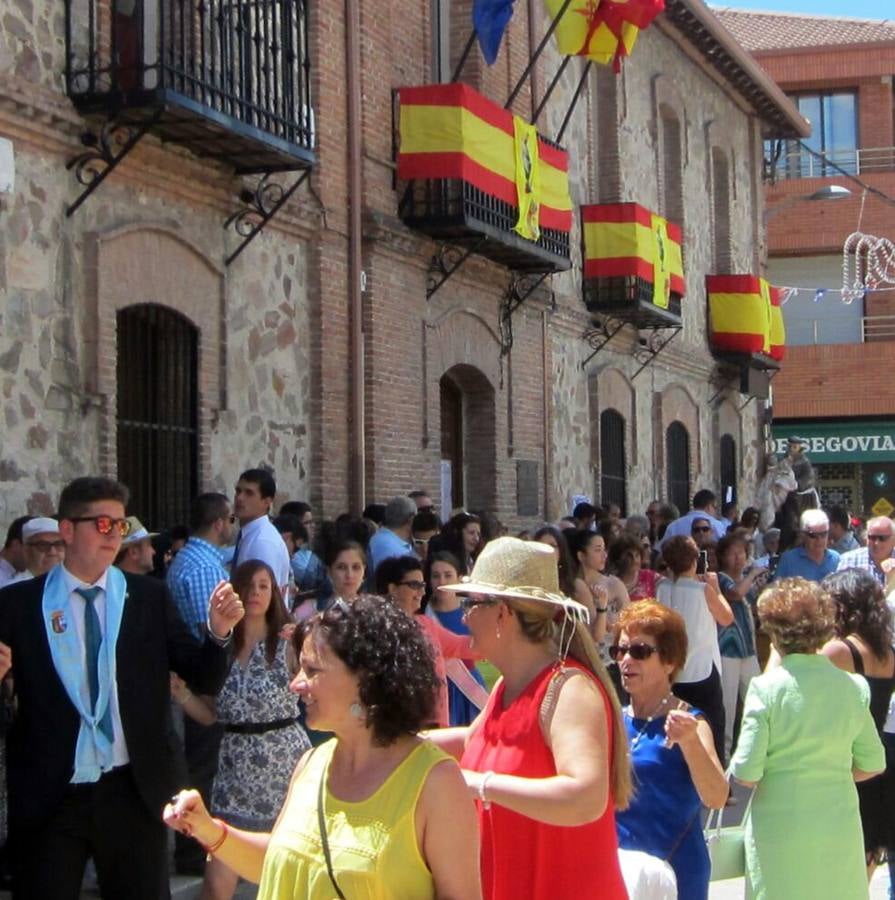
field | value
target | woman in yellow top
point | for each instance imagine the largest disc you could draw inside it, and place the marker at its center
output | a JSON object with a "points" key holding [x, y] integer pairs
{"points": [[376, 812]]}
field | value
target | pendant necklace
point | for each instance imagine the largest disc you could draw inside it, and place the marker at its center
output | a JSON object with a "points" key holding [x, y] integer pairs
{"points": [[649, 720]]}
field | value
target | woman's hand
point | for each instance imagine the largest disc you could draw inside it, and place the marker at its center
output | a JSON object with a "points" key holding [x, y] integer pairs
{"points": [[224, 609], [681, 728], [187, 814]]}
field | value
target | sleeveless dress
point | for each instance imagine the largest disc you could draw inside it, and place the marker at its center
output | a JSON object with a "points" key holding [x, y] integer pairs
{"points": [[874, 799], [522, 858], [254, 769], [462, 709], [664, 816], [372, 843]]}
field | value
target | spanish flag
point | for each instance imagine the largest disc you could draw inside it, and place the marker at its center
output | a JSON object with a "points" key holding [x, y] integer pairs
{"points": [[626, 239], [778, 329], [602, 30], [452, 131], [739, 314]]}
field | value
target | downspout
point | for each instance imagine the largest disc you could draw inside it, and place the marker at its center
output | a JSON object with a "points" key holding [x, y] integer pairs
{"points": [[357, 445]]}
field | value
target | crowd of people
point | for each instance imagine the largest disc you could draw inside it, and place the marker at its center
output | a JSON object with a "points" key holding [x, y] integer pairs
{"points": [[394, 706]]}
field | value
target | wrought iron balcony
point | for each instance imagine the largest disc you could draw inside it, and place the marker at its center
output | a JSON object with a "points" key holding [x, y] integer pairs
{"points": [[228, 79], [631, 299]]}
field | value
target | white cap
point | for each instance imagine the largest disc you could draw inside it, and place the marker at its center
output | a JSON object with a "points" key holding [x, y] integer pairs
{"points": [[39, 525]]}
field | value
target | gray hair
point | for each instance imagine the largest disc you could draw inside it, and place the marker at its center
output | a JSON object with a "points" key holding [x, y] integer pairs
{"points": [[637, 524], [399, 511], [813, 518]]}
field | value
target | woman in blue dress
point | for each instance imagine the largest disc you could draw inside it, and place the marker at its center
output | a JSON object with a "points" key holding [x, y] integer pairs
{"points": [[466, 691], [676, 768]]}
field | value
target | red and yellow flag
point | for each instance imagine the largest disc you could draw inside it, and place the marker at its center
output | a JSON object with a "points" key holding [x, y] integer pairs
{"points": [[778, 329], [602, 30], [739, 313], [626, 239], [452, 131]]}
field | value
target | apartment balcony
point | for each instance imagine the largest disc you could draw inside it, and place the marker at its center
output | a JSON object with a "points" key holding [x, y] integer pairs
{"points": [[227, 79], [864, 161]]}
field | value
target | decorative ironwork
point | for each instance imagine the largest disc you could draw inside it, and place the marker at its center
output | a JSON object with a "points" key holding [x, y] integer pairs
{"points": [[603, 329], [106, 148], [650, 346], [631, 298], [446, 262], [259, 207], [520, 288]]}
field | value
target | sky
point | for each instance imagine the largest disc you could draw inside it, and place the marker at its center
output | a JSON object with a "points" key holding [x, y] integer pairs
{"points": [[859, 9]]}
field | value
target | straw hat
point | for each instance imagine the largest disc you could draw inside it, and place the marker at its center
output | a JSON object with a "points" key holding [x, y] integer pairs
{"points": [[138, 532], [521, 570]]}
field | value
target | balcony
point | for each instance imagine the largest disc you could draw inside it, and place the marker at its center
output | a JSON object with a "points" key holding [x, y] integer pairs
{"points": [[801, 164], [461, 176], [227, 79], [825, 330], [633, 265]]}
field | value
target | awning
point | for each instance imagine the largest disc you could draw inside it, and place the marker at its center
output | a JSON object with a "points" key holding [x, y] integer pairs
{"points": [[838, 442]]}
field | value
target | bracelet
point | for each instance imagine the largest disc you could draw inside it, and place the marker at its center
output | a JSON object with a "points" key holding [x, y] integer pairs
{"points": [[486, 804], [601, 610], [211, 849]]}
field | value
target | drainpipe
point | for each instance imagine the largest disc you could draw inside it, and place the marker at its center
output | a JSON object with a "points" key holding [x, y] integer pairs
{"points": [[357, 447]]}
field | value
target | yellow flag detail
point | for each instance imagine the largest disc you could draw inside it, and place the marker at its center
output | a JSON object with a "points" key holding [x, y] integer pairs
{"points": [[661, 262], [528, 179]]}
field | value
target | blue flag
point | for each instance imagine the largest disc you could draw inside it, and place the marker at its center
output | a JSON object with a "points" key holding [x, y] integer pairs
{"points": [[490, 19]]}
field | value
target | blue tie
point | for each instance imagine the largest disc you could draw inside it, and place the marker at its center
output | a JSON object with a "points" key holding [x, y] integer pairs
{"points": [[93, 638]]}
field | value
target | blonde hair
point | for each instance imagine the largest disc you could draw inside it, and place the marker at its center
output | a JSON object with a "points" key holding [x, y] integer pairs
{"points": [[538, 625]]}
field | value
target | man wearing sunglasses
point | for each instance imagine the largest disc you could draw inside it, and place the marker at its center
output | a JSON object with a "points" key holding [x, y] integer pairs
{"points": [[812, 559], [880, 547], [90, 762]]}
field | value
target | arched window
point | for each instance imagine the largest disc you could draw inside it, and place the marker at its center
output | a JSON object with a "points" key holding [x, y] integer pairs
{"points": [[677, 460], [613, 487], [672, 171], [157, 428], [721, 211], [728, 460]]}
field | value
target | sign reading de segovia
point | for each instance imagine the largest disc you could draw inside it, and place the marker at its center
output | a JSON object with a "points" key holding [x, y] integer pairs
{"points": [[841, 441]]}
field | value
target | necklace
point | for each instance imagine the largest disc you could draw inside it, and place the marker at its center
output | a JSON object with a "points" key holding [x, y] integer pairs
{"points": [[649, 720]]}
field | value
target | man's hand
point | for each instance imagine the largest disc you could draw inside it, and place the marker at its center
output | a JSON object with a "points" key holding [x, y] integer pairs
{"points": [[225, 609], [5, 659]]}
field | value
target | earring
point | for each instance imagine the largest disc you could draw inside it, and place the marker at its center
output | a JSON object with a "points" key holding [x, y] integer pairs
{"points": [[356, 710], [497, 632]]}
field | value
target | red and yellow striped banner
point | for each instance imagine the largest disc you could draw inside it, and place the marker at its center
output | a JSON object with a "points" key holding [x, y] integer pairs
{"points": [[626, 239], [739, 313], [452, 131], [778, 329]]}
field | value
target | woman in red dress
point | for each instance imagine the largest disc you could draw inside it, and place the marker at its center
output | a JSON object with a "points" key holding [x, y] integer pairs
{"points": [[547, 758]]}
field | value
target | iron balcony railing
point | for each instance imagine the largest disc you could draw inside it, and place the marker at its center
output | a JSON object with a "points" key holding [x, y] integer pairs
{"points": [[859, 330], [217, 68], [802, 164]]}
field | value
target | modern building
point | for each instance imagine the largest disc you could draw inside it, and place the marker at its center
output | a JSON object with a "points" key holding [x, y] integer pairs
{"points": [[839, 73], [217, 250]]}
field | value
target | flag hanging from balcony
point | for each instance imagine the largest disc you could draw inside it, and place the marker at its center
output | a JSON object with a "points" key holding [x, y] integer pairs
{"points": [[452, 131], [602, 30], [739, 314], [778, 329], [490, 19], [626, 239]]}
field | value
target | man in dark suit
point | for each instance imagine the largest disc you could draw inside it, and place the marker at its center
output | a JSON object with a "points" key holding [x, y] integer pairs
{"points": [[91, 755]]}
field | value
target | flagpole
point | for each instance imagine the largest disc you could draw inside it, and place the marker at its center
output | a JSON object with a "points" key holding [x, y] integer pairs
{"points": [[540, 49], [578, 90], [546, 97], [464, 56]]}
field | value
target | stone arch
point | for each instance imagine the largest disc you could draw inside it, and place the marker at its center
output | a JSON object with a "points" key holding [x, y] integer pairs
{"points": [[672, 149], [676, 404], [154, 264], [607, 389], [728, 421]]}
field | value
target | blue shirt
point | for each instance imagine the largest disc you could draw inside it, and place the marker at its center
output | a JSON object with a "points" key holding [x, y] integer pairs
{"points": [[192, 576], [861, 559], [796, 563], [310, 573], [384, 545]]}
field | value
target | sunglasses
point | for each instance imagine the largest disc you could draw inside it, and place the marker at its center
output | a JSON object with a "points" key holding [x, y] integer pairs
{"points": [[47, 546], [879, 537], [416, 585], [467, 602], [635, 651], [106, 524], [815, 534]]}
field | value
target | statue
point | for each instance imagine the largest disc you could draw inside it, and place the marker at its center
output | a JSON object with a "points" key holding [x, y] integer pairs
{"points": [[804, 496], [778, 482]]}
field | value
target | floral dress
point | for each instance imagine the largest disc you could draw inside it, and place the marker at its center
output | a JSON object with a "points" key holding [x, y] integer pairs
{"points": [[255, 765]]}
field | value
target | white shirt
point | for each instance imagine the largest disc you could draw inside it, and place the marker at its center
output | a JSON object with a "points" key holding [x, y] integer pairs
{"points": [[260, 540], [687, 596], [78, 604], [7, 571]]}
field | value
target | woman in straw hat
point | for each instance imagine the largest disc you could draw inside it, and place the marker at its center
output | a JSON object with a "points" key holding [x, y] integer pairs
{"points": [[546, 759]]}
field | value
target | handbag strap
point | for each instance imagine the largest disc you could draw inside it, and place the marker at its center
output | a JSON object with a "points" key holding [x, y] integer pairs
{"points": [[321, 823], [684, 831], [709, 826]]}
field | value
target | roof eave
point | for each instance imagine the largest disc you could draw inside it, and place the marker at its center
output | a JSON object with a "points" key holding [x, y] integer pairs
{"points": [[701, 27]]}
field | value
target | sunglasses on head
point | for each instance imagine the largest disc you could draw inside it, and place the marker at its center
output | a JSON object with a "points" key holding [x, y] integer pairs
{"points": [[635, 651], [106, 524], [467, 602]]}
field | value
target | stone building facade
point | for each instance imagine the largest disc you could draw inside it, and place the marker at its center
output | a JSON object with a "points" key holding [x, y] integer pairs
{"points": [[352, 388]]}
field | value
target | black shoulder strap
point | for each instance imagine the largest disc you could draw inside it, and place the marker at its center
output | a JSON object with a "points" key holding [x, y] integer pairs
{"points": [[855, 656], [321, 824]]}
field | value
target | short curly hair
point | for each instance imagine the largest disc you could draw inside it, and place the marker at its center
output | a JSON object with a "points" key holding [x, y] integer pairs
{"points": [[861, 608], [391, 657], [679, 553], [799, 615], [663, 624]]}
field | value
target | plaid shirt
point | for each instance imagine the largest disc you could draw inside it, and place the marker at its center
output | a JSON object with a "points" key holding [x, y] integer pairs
{"points": [[861, 559], [192, 576]]}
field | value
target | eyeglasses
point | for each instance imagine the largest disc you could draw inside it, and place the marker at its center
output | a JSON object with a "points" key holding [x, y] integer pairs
{"points": [[105, 524], [635, 651], [701, 529], [467, 602], [47, 546], [879, 537], [416, 585], [815, 534]]}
